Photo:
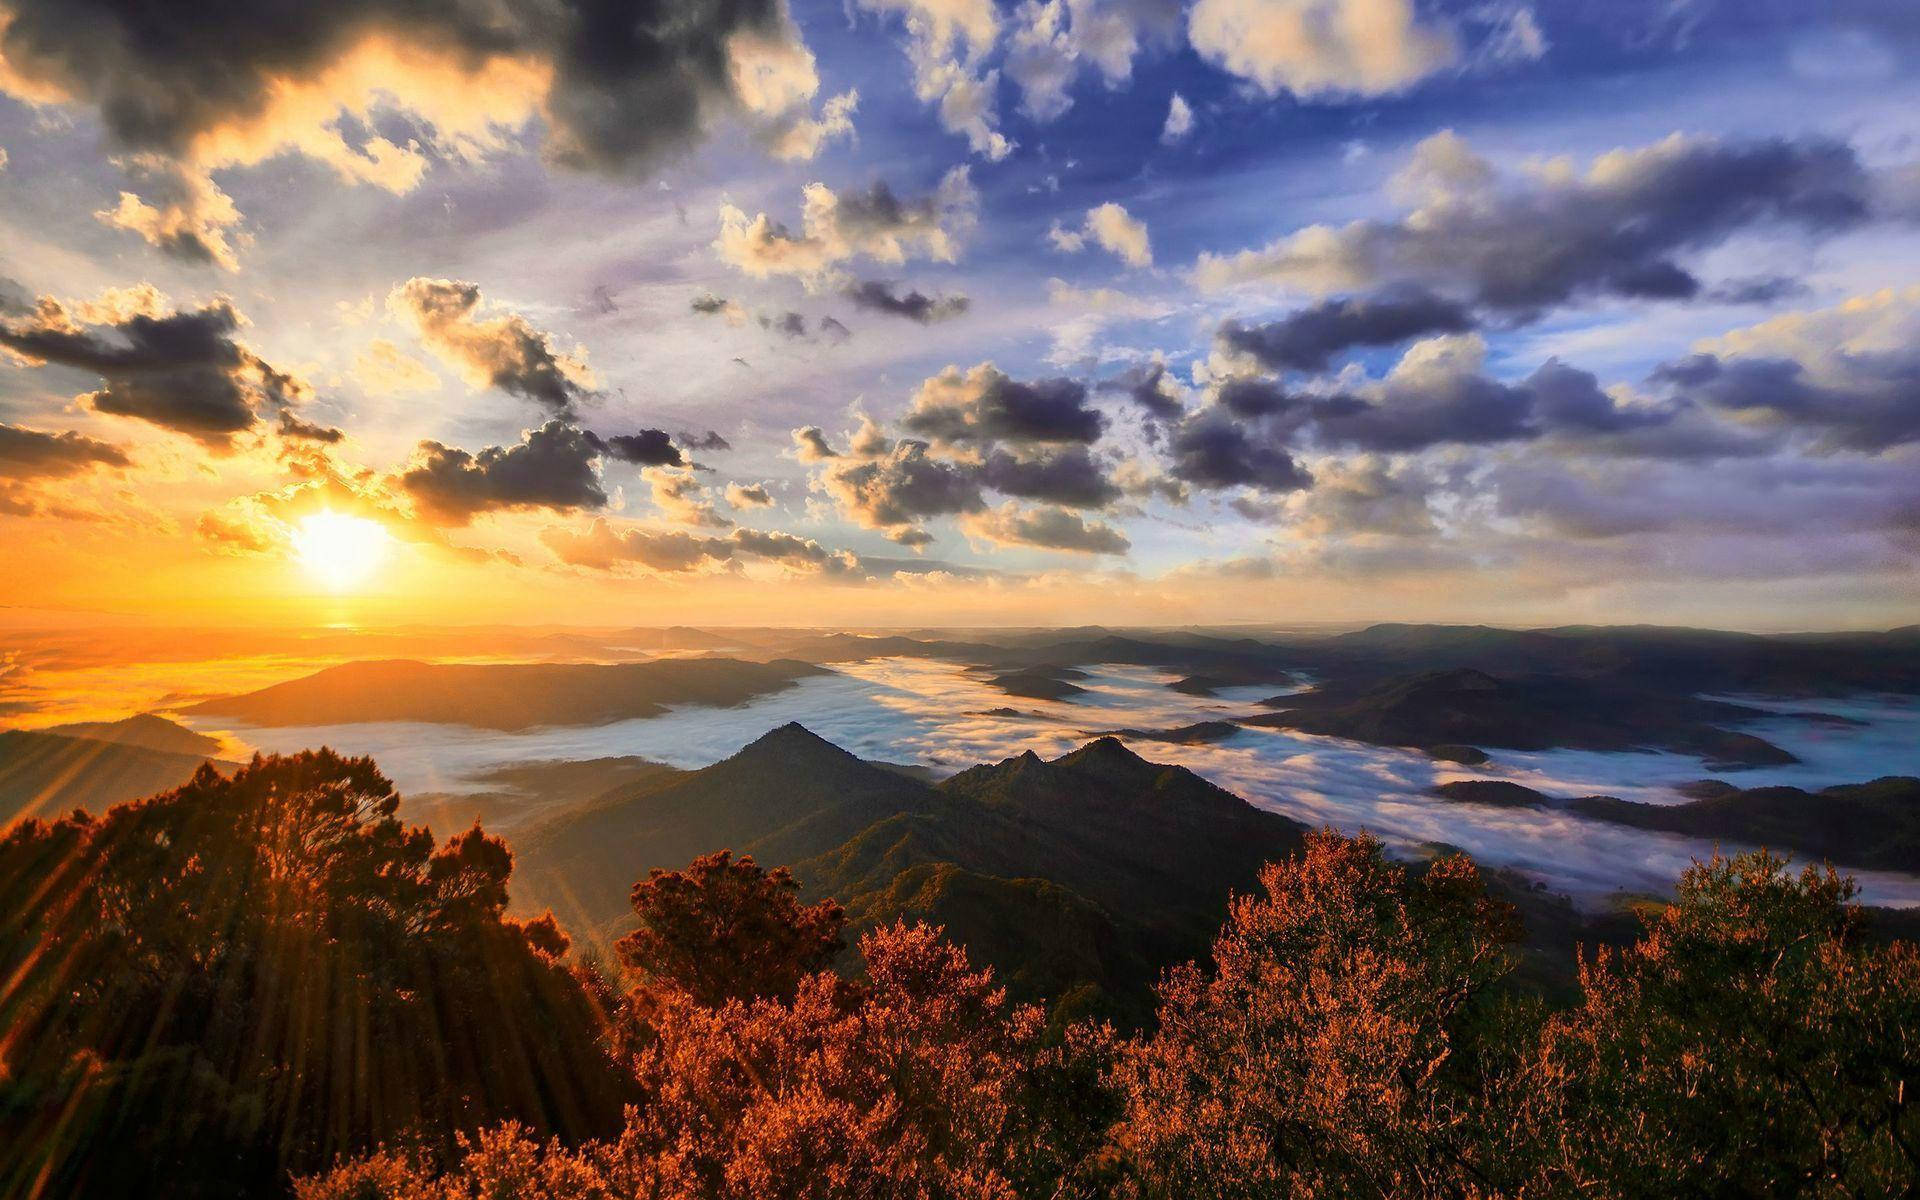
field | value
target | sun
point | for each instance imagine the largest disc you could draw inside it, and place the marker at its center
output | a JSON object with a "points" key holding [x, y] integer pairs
{"points": [[340, 551]]}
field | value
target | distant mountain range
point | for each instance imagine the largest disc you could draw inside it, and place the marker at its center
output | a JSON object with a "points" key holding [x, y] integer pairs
{"points": [[1466, 707], [506, 696], [1089, 872]]}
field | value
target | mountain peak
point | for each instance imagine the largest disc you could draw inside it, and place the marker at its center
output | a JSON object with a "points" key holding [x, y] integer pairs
{"points": [[1108, 751]]}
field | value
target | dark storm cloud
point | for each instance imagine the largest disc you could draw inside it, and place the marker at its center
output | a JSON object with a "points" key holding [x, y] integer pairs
{"points": [[648, 448], [552, 467], [984, 405], [503, 351], [33, 454], [1864, 401], [179, 370], [881, 296], [1147, 386], [627, 81], [1211, 449], [1310, 339], [1523, 245], [1757, 289], [1070, 477]]}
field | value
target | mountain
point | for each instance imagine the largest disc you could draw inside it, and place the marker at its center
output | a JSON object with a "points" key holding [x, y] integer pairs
{"points": [[46, 774], [1465, 707], [147, 731], [786, 797], [506, 696], [1873, 825], [1087, 873]]}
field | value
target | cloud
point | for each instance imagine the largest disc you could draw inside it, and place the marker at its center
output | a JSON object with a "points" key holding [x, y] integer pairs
{"points": [[810, 445], [902, 488], [836, 229], [1151, 388], [748, 495], [1179, 122], [946, 43], [30, 457], [1110, 227], [1554, 233], [1211, 450], [192, 89], [183, 214], [504, 351], [1364, 496], [1055, 40], [1310, 338], [603, 546], [710, 305], [876, 295], [683, 498], [1069, 477], [1048, 528], [182, 370], [648, 448], [552, 467], [1849, 375], [1321, 49], [709, 440], [33, 454], [984, 405]]}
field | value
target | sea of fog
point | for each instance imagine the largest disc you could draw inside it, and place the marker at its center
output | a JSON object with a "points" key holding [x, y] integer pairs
{"points": [[943, 716]]}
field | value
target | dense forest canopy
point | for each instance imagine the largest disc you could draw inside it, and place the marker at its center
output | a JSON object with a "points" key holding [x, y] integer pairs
{"points": [[268, 983]]}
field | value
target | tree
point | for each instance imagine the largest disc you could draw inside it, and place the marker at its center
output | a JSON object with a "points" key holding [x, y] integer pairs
{"points": [[1331, 1051], [253, 975], [725, 929], [1750, 1044]]}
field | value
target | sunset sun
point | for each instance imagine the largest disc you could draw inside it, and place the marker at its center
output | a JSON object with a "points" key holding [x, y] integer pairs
{"points": [[339, 551]]}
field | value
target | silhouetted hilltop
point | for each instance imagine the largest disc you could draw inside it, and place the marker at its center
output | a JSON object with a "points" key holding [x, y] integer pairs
{"points": [[148, 731], [786, 797], [506, 695], [1467, 707], [43, 773], [1874, 825]]}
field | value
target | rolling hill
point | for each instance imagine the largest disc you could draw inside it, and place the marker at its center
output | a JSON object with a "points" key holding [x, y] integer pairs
{"points": [[506, 696]]}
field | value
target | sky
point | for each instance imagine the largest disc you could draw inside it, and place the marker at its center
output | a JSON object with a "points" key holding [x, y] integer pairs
{"points": [[909, 312]]}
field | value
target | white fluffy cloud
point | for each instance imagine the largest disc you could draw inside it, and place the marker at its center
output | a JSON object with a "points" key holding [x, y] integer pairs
{"points": [[1113, 229], [1321, 48]]}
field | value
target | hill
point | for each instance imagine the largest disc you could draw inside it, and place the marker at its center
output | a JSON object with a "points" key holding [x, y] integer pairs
{"points": [[506, 696], [1466, 707], [43, 773], [1874, 825], [147, 731]]}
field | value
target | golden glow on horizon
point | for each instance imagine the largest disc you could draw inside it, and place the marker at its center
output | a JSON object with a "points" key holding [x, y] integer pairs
{"points": [[341, 552]]}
